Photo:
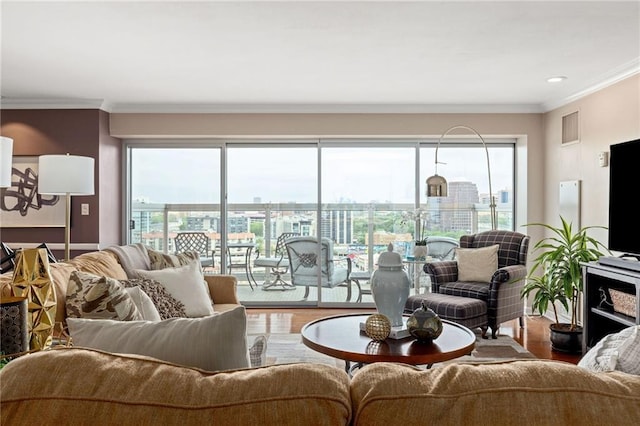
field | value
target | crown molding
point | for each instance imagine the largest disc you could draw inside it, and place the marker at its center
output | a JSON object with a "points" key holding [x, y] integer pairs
{"points": [[324, 108], [618, 74], [57, 103], [268, 108]]}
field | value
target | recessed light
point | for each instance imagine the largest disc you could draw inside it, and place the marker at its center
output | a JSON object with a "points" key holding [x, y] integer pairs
{"points": [[556, 79]]}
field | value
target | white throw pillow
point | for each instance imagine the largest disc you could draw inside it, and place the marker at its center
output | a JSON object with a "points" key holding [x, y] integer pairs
{"points": [[629, 351], [144, 304], [477, 264], [216, 342], [187, 284], [616, 351]]}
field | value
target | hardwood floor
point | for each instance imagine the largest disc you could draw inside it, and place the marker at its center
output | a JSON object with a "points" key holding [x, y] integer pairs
{"points": [[534, 336]]}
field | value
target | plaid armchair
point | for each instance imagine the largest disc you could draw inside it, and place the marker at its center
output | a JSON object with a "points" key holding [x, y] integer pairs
{"points": [[502, 294]]}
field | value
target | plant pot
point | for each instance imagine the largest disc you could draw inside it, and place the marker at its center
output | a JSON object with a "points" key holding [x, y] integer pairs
{"points": [[420, 252], [563, 339]]}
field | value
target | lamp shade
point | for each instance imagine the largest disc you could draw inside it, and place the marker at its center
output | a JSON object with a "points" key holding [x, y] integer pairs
{"points": [[6, 154], [436, 186], [65, 174]]}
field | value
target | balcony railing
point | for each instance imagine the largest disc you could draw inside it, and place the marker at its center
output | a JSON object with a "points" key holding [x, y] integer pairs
{"points": [[360, 231]]}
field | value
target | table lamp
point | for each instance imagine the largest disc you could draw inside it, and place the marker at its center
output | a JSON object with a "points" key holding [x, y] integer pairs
{"points": [[65, 175]]}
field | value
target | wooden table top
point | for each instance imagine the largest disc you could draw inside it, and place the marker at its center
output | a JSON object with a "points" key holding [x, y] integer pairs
{"points": [[339, 336]]}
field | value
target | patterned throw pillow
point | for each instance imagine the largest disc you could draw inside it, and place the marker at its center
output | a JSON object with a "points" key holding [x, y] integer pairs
{"points": [[95, 297], [159, 260], [167, 305]]}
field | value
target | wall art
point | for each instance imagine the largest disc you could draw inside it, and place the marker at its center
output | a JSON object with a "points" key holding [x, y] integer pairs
{"points": [[21, 206]]}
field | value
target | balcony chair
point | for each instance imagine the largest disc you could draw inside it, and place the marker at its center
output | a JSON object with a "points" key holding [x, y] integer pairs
{"points": [[305, 267], [502, 293], [442, 248], [196, 241], [278, 265]]}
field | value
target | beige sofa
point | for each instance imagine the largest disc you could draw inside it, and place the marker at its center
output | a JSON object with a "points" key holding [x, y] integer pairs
{"points": [[222, 288], [80, 386], [85, 386]]}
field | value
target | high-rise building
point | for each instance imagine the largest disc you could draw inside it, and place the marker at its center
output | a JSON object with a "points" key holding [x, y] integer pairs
{"points": [[456, 210], [337, 225]]}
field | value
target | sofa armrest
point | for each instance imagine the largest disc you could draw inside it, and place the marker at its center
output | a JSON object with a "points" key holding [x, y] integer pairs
{"points": [[441, 272], [223, 289]]}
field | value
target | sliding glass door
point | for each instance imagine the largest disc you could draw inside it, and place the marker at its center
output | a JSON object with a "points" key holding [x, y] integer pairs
{"points": [[271, 192], [173, 190], [356, 194]]}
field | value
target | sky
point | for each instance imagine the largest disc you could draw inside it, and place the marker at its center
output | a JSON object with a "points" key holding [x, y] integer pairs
{"points": [[289, 173]]}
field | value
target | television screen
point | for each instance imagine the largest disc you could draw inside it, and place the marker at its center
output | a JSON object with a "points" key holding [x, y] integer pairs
{"points": [[624, 175]]}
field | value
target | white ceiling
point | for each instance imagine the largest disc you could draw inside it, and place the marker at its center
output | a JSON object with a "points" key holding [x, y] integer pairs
{"points": [[340, 56]]}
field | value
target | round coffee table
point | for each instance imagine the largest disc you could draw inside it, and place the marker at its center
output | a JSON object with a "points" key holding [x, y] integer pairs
{"points": [[339, 336]]}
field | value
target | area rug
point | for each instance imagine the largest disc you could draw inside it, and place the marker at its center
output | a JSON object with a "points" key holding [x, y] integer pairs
{"points": [[288, 348]]}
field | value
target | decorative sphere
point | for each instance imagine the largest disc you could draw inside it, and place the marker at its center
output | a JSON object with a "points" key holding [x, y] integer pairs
{"points": [[424, 324], [378, 327]]}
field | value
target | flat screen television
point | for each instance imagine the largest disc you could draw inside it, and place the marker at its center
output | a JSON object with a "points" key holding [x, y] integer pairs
{"points": [[624, 177]]}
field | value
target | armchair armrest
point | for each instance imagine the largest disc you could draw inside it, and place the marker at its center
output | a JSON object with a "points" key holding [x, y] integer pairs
{"points": [[343, 259], [505, 297], [441, 272], [509, 275], [223, 289]]}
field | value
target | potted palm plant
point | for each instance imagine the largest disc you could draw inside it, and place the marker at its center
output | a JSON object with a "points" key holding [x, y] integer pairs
{"points": [[556, 277]]}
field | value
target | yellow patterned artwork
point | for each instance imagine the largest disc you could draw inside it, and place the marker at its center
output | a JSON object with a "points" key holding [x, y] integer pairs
{"points": [[32, 279]]}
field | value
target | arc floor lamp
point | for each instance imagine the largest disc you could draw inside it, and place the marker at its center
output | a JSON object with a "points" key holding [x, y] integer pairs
{"points": [[65, 175], [437, 185]]}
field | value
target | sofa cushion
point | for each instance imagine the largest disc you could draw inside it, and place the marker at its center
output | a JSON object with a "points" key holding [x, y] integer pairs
{"points": [[144, 304], [60, 274], [107, 389], [167, 305], [92, 296], [477, 264], [515, 392], [216, 342], [186, 284], [102, 263]]}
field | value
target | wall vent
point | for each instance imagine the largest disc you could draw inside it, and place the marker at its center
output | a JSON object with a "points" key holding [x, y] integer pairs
{"points": [[571, 128]]}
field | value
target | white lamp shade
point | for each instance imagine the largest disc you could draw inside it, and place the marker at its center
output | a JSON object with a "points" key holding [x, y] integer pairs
{"points": [[6, 155], [65, 174]]}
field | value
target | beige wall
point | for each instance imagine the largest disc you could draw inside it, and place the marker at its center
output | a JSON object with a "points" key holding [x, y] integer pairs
{"points": [[607, 117], [527, 128]]}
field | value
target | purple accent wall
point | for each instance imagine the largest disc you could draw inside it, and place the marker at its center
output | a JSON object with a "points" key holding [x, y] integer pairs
{"points": [[77, 132]]}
